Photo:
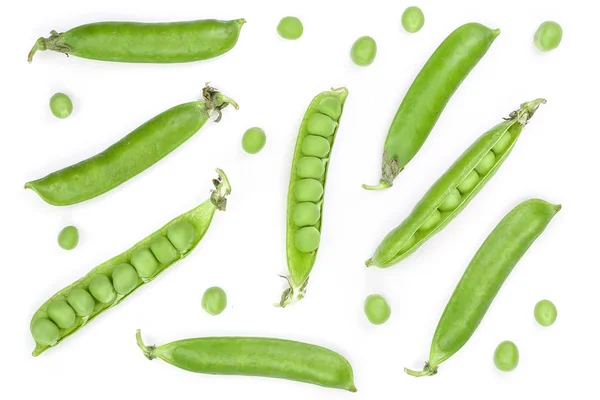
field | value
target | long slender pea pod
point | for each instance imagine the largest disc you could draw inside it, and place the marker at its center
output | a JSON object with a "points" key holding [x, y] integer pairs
{"points": [[305, 194], [135, 42], [254, 356], [484, 277], [428, 95], [114, 280], [451, 193], [131, 155]]}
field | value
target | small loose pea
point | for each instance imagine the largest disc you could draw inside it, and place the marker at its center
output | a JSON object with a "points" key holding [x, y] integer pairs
{"points": [[330, 106], [254, 140], [321, 125], [469, 182], [315, 146], [310, 167], [45, 331], [377, 309], [451, 202], [548, 36], [61, 313], [290, 28], [82, 302], [163, 250], [61, 105], [144, 263], [506, 356], [68, 238], [486, 164], [214, 300], [102, 289], [181, 235], [124, 279], [413, 19], [545, 312], [432, 221], [306, 214], [307, 239], [363, 51], [308, 190], [502, 144]]}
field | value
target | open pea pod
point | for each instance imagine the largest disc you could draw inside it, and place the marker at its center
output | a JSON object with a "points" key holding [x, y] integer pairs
{"points": [[455, 189]]}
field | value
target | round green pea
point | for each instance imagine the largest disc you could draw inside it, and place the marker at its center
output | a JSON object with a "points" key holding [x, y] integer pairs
{"points": [[486, 164], [469, 182], [310, 167], [102, 289], [290, 28], [432, 221], [413, 19], [254, 140], [124, 279], [506, 356], [214, 300], [182, 235], [163, 250], [330, 106], [408, 244], [82, 302], [548, 36], [44, 331], [144, 263], [68, 238], [306, 214], [451, 202], [545, 312], [61, 105], [363, 51], [307, 239], [308, 190], [377, 309], [502, 143], [315, 146], [61, 313], [320, 125]]}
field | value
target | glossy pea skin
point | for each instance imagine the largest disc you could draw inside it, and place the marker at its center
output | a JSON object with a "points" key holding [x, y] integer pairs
{"points": [[61, 313], [413, 19], [452, 201], [377, 309], [144, 263], [124, 279], [44, 331], [469, 182], [182, 235], [316, 146], [102, 289], [163, 250], [486, 164], [254, 140], [330, 107], [214, 300], [290, 28], [306, 214], [61, 105], [307, 239], [308, 190], [310, 167], [545, 312], [321, 125], [363, 51], [82, 302], [432, 221], [68, 238], [506, 356], [548, 36], [502, 144]]}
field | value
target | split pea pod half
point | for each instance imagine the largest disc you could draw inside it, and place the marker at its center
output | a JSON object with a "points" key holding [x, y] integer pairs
{"points": [[254, 356], [428, 95], [112, 281], [484, 277], [135, 42], [131, 155], [455, 189], [305, 194]]}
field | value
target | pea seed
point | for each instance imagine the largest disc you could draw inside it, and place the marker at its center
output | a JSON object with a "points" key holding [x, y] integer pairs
{"points": [[310, 167], [307, 239], [451, 202], [432, 221], [377, 309], [82, 302], [548, 36], [254, 140], [486, 164], [320, 125], [506, 356], [61, 105], [363, 51], [61, 313], [144, 263], [408, 244], [290, 28], [214, 300], [182, 235], [502, 143], [102, 289], [330, 106], [163, 250], [68, 238], [45, 331], [413, 19], [469, 182], [315, 146], [306, 214], [308, 190], [124, 279], [545, 312]]}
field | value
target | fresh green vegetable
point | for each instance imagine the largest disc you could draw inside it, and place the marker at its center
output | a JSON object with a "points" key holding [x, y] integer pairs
{"points": [[68, 238], [545, 312], [95, 293], [428, 95], [290, 28], [61, 105], [315, 138], [506, 356], [254, 140], [252, 356], [377, 309], [451, 193], [363, 51], [131, 155], [134, 42], [413, 19], [214, 300], [484, 277], [548, 36]]}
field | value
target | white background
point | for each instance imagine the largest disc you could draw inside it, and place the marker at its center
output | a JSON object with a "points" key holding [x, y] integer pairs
{"points": [[274, 80]]}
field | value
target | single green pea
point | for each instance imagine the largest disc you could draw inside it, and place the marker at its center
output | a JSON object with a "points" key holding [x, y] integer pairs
{"points": [[306, 214], [61, 105], [320, 125], [68, 238], [548, 36], [308, 190], [45, 331], [61, 313], [254, 140], [182, 235], [102, 289], [363, 51], [469, 182], [315, 146], [144, 263], [408, 244], [124, 279], [163, 250], [432, 221], [377, 309], [290, 28], [214, 300], [486, 164], [310, 167], [502, 144], [506, 356], [413, 19], [330, 106], [307, 239], [451, 202], [545, 312], [82, 302]]}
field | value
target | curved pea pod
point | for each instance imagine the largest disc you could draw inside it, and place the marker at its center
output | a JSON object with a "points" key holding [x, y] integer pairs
{"points": [[135, 42], [428, 95], [484, 277], [255, 356], [307, 182], [111, 282], [451, 193]]}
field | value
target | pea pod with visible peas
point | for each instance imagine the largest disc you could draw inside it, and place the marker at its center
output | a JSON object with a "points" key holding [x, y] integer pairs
{"points": [[112, 281]]}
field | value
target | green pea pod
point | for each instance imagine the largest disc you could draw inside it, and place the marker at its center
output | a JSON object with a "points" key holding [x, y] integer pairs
{"points": [[253, 356], [483, 278], [428, 95], [134, 42], [451, 193], [131, 155], [108, 284]]}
